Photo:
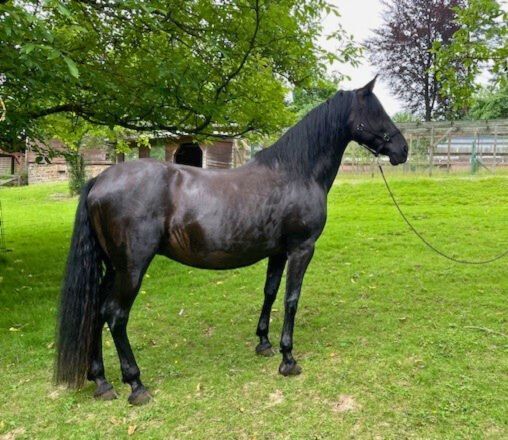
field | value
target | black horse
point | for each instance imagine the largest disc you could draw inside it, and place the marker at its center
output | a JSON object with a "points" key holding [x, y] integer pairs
{"points": [[273, 207]]}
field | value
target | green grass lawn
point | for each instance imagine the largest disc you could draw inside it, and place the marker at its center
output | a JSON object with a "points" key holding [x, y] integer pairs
{"points": [[394, 341]]}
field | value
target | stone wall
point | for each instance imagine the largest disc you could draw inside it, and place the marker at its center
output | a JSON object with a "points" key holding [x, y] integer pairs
{"points": [[93, 170], [40, 173], [58, 172]]}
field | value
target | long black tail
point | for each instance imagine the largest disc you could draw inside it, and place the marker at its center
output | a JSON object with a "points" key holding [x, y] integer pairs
{"points": [[79, 304]]}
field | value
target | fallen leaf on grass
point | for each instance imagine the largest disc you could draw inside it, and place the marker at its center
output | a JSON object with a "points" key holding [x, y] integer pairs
{"points": [[54, 394], [115, 420], [132, 429]]}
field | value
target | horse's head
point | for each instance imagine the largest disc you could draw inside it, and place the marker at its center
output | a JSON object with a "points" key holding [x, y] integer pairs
{"points": [[372, 127]]}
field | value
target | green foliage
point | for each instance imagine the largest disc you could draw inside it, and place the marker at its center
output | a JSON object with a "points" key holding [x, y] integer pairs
{"points": [[306, 98], [480, 44], [490, 103], [405, 117], [417, 344], [77, 174], [401, 49], [303, 100], [179, 66]]}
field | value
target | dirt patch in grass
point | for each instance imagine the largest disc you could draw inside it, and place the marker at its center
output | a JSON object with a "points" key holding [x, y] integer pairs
{"points": [[346, 403]]}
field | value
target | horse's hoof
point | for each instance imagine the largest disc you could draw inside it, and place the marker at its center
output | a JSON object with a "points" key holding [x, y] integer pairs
{"points": [[292, 369], [140, 397], [265, 350], [105, 392]]}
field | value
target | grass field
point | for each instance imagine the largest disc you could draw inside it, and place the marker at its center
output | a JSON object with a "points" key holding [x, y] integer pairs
{"points": [[394, 341]]}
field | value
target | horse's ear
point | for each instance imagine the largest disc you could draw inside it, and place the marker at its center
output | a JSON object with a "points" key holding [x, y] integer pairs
{"points": [[368, 88]]}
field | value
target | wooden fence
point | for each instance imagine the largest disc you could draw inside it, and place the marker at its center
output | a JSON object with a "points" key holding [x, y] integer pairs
{"points": [[445, 146]]}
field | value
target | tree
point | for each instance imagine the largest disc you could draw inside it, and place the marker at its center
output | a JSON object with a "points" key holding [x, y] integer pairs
{"points": [[480, 44], [402, 50], [490, 103], [183, 67], [306, 98], [405, 117]]}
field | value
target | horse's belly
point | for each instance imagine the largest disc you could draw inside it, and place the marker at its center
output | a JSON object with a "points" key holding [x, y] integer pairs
{"points": [[218, 260], [218, 249]]}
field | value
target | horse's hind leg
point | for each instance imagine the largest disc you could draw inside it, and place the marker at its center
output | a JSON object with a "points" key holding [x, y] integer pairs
{"points": [[104, 389], [273, 277], [116, 311]]}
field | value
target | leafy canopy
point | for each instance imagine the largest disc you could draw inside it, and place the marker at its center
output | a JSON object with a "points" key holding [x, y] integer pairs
{"points": [[480, 44], [197, 66], [401, 48], [491, 103]]}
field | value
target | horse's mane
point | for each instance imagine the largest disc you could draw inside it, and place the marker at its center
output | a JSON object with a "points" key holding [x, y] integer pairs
{"points": [[299, 149]]}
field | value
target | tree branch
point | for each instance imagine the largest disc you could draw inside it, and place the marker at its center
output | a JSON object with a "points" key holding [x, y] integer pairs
{"points": [[252, 42]]}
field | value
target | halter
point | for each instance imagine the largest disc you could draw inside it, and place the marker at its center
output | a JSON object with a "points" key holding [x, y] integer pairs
{"points": [[385, 138]]}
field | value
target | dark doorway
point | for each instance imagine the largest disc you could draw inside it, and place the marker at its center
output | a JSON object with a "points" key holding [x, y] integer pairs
{"points": [[189, 154]]}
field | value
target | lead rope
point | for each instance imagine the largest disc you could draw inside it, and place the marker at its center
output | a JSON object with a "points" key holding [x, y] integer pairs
{"points": [[491, 260]]}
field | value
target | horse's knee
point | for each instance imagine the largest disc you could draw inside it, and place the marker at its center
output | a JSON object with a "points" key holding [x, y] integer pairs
{"points": [[291, 304]]}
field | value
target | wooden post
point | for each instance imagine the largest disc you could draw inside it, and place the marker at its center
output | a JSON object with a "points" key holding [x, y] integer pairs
{"points": [[27, 162], [407, 165], [144, 152], [478, 143], [170, 152], [495, 149], [431, 151], [120, 157], [448, 160]]}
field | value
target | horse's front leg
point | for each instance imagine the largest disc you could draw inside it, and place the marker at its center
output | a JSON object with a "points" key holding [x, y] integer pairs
{"points": [[274, 272], [298, 260]]}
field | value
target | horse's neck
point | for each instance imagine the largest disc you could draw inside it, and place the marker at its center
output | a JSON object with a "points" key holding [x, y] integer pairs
{"points": [[327, 166], [313, 148]]}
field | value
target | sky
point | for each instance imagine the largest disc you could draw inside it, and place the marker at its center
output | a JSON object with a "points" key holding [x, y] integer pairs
{"points": [[359, 18]]}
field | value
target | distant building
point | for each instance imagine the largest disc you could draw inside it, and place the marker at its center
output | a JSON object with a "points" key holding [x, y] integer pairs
{"points": [[25, 168], [487, 147], [222, 153]]}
